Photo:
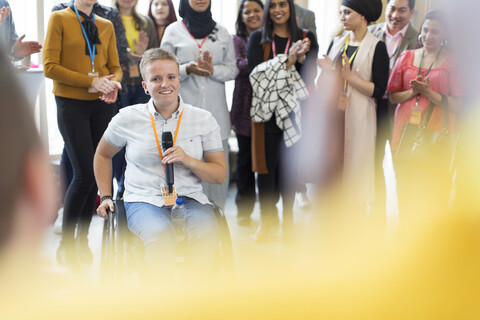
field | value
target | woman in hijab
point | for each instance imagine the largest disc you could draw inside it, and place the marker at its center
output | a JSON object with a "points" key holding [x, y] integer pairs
{"points": [[362, 61], [207, 60], [81, 57]]}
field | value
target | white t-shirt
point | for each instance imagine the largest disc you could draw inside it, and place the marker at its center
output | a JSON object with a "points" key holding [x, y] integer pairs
{"points": [[198, 134]]}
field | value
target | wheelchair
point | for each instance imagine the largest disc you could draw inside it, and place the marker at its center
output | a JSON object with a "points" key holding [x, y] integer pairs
{"points": [[123, 251]]}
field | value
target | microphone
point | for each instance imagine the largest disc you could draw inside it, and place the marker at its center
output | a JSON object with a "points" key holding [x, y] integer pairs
{"points": [[167, 142]]}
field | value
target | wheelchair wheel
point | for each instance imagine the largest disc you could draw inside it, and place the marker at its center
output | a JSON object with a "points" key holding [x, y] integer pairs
{"points": [[113, 240], [224, 259], [122, 251]]}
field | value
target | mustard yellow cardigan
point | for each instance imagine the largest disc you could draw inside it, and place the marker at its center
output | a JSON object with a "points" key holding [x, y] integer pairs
{"points": [[64, 58]]}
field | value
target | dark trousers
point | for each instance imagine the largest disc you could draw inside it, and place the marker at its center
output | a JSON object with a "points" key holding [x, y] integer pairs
{"points": [[276, 181], [130, 95], [244, 176], [81, 124], [384, 133], [65, 173]]}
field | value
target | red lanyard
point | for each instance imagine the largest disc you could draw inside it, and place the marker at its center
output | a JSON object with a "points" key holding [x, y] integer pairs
{"points": [[200, 45], [174, 137], [273, 45]]}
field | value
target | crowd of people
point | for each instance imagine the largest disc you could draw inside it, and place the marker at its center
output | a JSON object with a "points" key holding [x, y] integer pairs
{"points": [[122, 78]]}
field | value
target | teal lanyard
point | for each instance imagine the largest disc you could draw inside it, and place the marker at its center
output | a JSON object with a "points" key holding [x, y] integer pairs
{"points": [[421, 62], [90, 49]]}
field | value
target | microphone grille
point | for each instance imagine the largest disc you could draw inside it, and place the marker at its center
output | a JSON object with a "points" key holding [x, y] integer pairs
{"points": [[167, 140], [167, 136]]}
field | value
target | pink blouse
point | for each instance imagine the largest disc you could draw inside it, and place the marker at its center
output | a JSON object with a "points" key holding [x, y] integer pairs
{"points": [[443, 79]]}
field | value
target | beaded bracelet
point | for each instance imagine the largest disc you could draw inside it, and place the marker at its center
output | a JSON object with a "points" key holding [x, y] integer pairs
{"points": [[105, 198]]}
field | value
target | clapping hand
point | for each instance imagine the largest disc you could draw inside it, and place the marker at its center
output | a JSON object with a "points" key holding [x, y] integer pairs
{"points": [[346, 69], [205, 62], [108, 87], [112, 96], [203, 67], [325, 63], [419, 84], [304, 47], [24, 49], [140, 46], [4, 13], [133, 56], [293, 53]]}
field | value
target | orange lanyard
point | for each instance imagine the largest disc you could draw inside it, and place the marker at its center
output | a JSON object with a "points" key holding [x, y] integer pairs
{"points": [[200, 45], [174, 137]]}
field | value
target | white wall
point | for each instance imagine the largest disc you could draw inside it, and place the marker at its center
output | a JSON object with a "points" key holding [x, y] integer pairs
{"points": [[327, 20]]}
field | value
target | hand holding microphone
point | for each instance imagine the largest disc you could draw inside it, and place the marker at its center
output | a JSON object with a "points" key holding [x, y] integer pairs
{"points": [[172, 155], [167, 144]]}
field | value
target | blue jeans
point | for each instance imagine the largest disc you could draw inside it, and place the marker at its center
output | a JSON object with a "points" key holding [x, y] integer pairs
{"points": [[153, 226]]}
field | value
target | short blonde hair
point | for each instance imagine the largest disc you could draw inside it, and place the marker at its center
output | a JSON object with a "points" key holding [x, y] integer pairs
{"points": [[156, 54]]}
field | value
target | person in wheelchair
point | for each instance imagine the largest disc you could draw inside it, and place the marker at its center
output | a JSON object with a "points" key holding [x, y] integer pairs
{"points": [[197, 155]]}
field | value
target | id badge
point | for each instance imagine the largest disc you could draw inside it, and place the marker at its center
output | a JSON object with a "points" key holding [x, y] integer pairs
{"points": [[133, 70], [92, 89], [342, 101], [169, 198], [416, 117]]}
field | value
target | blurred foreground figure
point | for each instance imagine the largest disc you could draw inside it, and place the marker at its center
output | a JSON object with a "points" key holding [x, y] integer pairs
{"points": [[26, 187]]}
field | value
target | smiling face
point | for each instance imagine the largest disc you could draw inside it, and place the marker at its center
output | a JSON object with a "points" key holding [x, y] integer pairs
{"points": [[398, 15], [350, 19], [432, 35], [279, 11], [252, 15], [199, 5], [162, 81], [160, 10]]}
